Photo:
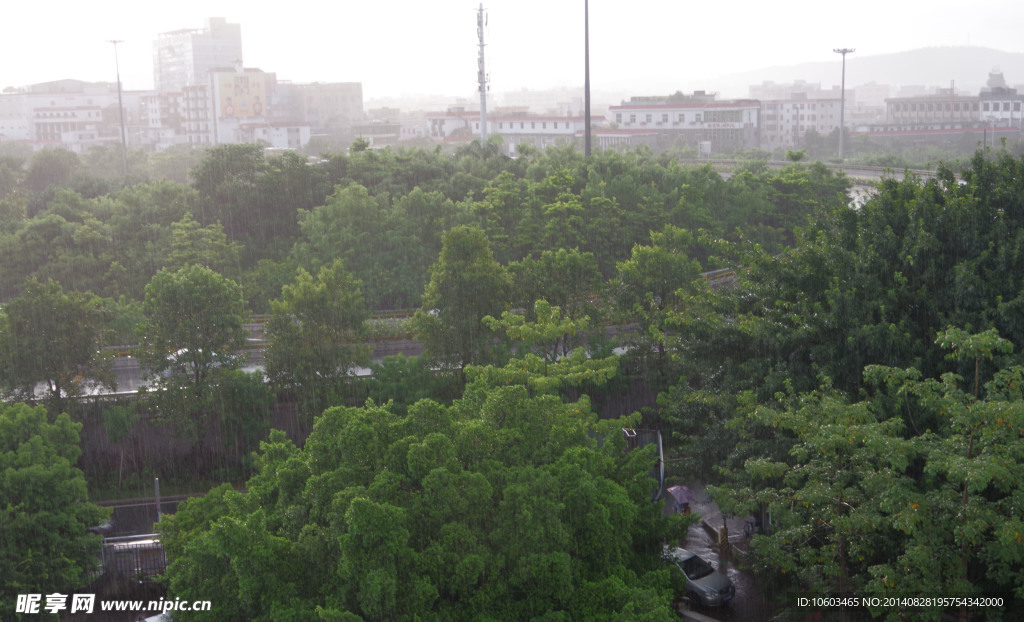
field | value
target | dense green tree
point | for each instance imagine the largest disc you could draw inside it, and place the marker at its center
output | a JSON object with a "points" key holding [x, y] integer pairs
{"points": [[652, 285], [141, 229], [106, 162], [45, 513], [545, 359], [175, 163], [353, 227], [568, 279], [207, 246], [67, 242], [403, 381], [191, 335], [466, 284], [315, 335], [53, 338], [227, 181], [242, 401], [864, 500], [51, 168], [11, 174], [502, 506]]}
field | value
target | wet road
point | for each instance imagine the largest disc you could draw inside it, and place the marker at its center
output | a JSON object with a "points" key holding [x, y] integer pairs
{"points": [[748, 605]]}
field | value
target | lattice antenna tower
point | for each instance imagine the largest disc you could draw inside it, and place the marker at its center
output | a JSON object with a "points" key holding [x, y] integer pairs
{"points": [[481, 76]]}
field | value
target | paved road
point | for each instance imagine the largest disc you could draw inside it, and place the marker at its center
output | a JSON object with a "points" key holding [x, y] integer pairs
{"points": [[749, 604], [129, 378]]}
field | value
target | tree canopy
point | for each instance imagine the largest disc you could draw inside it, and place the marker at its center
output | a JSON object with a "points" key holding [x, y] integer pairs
{"points": [[502, 506], [44, 512]]}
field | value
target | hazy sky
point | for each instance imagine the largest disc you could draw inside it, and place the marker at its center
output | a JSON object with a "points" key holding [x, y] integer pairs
{"points": [[429, 46]]}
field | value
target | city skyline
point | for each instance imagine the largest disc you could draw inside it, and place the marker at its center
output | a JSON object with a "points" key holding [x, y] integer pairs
{"points": [[430, 48]]}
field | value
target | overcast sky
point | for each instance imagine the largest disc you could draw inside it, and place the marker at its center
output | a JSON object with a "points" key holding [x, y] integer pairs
{"points": [[429, 46]]}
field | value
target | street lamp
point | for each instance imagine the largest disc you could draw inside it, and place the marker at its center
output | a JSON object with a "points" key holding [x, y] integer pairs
{"points": [[842, 98], [120, 111]]}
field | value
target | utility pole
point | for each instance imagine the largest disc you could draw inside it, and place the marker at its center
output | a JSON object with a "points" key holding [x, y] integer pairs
{"points": [[120, 111], [842, 101], [586, 77], [482, 75]]}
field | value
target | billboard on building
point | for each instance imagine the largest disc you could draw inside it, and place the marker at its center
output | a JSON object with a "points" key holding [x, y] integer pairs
{"points": [[242, 95]]}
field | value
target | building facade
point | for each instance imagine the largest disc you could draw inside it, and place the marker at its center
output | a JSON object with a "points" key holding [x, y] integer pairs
{"points": [[186, 57], [327, 107], [458, 124], [785, 122], [692, 120], [73, 114]]}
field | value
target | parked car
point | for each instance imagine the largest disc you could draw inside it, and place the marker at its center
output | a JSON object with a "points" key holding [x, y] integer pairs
{"points": [[704, 584]]}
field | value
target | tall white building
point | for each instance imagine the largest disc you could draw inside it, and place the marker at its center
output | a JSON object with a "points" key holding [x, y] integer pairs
{"points": [[186, 57], [785, 122]]}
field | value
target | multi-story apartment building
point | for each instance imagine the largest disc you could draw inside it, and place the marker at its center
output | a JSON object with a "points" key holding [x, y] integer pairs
{"points": [[942, 108], [944, 111], [186, 57], [14, 117], [785, 122], [204, 97], [242, 112], [69, 113]]}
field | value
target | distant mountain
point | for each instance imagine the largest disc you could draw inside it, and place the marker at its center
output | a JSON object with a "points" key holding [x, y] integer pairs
{"points": [[967, 66]]}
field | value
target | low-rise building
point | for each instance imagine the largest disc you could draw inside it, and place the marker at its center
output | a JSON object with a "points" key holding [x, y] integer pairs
{"points": [[692, 120], [458, 124]]}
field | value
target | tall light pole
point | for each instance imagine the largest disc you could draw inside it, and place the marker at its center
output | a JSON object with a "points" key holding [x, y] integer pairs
{"points": [[120, 111], [842, 100], [586, 77]]}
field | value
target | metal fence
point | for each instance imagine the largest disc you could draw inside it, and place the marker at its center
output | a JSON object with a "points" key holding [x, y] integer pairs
{"points": [[135, 557]]}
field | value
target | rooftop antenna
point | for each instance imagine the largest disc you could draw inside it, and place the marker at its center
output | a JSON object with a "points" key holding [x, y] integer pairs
{"points": [[481, 75]]}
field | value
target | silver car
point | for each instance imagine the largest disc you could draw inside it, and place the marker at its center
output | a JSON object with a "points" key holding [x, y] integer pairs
{"points": [[703, 583]]}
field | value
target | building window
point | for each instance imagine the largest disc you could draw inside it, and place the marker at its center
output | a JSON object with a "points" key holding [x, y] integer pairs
{"points": [[632, 118], [618, 117], [648, 118], [533, 125], [985, 106], [664, 118]]}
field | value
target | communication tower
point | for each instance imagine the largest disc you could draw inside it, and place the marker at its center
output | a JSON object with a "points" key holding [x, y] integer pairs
{"points": [[481, 76]]}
